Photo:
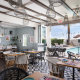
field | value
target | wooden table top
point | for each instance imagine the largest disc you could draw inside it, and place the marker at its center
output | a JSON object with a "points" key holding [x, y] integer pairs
{"points": [[32, 51], [14, 54], [63, 64], [38, 75]]}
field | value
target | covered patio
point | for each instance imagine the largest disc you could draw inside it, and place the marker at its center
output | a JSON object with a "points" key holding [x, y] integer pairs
{"points": [[26, 50]]}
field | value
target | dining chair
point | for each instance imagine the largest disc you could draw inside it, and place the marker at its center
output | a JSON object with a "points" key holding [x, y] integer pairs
{"points": [[10, 60], [22, 62], [60, 50], [41, 56], [54, 69], [25, 50], [50, 51], [63, 51], [13, 73], [71, 55], [9, 48]]}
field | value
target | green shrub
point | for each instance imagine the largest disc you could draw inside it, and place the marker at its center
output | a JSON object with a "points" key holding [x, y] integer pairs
{"points": [[59, 41], [44, 41]]}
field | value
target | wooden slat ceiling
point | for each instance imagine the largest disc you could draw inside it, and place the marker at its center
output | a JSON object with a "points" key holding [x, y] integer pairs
{"points": [[36, 9]]}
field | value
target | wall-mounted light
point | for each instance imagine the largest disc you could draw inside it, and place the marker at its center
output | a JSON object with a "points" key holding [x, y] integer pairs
{"points": [[10, 32]]}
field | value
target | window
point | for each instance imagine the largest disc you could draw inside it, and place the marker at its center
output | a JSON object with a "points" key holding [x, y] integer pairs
{"points": [[24, 40]]}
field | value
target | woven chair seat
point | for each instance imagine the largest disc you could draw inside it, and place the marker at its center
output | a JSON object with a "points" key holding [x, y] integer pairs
{"points": [[13, 73]]}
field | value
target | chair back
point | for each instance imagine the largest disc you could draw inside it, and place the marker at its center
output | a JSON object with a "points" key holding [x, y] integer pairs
{"points": [[13, 73], [8, 48], [51, 49], [56, 43], [64, 49], [42, 53], [6, 52], [52, 65], [70, 54], [25, 50], [22, 59], [60, 49], [7, 58]]}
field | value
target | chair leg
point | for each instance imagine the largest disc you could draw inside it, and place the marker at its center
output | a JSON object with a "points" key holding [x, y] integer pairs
{"points": [[44, 62], [38, 60], [62, 54], [41, 62]]}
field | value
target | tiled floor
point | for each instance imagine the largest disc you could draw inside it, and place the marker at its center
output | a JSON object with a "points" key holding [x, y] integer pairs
{"points": [[44, 69]]}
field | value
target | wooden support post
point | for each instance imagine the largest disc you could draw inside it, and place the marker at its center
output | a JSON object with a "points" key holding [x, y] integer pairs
{"points": [[68, 34]]}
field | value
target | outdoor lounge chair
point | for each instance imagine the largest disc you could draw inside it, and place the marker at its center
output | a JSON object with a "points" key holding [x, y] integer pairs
{"points": [[57, 45]]}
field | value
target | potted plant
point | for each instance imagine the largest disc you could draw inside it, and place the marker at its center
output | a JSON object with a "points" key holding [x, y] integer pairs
{"points": [[14, 38]]}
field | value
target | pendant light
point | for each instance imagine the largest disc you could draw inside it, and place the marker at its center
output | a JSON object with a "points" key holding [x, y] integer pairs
{"points": [[50, 12], [56, 3]]}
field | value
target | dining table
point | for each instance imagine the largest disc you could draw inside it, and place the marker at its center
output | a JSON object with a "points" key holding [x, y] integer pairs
{"points": [[14, 54], [33, 52], [39, 75], [70, 63]]}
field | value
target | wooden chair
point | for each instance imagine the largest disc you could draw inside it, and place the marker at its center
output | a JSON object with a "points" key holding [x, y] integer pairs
{"points": [[13, 73], [54, 69], [22, 62], [8, 48], [10, 60]]}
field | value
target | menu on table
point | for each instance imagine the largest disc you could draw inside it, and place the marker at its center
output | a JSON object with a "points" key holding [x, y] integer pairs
{"points": [[48, 78], [71, 62]]}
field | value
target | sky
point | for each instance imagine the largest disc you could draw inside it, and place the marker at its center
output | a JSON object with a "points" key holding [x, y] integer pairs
{"points": [[60, 31]]}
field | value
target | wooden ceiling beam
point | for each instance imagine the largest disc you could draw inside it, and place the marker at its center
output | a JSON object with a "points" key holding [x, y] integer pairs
{"points": [[68, 8], [10, 9], [70, 22], [33, 11], [46, 7], [17, 17], [76, 8], [24, 5], [28, 3]]}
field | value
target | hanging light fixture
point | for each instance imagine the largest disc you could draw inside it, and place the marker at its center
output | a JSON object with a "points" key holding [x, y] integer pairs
{"points": [[50, 13], [49, 22], [15, 3], [56, 3], [74, 17], [25, 20], [21, 12]]}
